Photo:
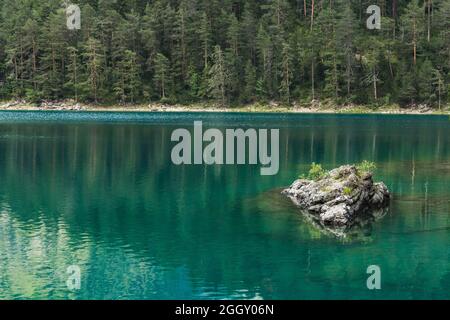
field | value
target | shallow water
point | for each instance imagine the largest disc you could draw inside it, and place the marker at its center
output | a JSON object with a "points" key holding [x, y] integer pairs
{"points": [[98, 190]]}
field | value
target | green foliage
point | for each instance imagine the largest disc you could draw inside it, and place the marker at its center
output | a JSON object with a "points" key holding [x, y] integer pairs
{"points": [[366, 167], [162, 74], [316, 172], [226, 50], [218, 76], [348, 191], [33, 96]]}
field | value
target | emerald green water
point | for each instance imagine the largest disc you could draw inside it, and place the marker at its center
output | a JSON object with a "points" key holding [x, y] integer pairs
{"points": [[99, 190]]}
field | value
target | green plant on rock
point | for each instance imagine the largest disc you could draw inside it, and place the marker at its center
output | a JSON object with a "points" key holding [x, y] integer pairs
{"points": [[316, 172], [366, 167], [348, 191]]}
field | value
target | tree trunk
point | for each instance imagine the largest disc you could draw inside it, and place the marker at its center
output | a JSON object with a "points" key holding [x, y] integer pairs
{"points": [[278, 13], [429, 20], [439, 94], [375, 93], [348, 73], [75, 80], [312, 79], [335, 76], [414, 41], [183, 46], [34, 65], [288, 84], [206, 54]]}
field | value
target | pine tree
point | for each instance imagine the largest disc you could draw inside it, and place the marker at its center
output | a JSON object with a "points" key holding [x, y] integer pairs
{"points": [[204, 32], [442, 22], [326, 24], [194, 83], [286, 73], [308, 47], [233, 35], [277, 11], [371, 61], [73, 72], [53, 56], [413, 26], [218, 76], [28, 59], [424, 82], [346, 45], [438, 86], [148, 34], [162, 74], [181, 46], [265, 55], [249, 94], [248, 32], [126, 74], [232, 57], [94, 59]]}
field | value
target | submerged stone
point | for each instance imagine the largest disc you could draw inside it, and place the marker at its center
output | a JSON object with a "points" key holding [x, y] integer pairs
{"points": [[343, 198]]}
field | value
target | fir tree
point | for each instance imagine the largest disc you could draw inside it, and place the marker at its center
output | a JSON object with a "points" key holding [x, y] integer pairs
{"points": [[218, 76], [162, 74], [94, 58]]}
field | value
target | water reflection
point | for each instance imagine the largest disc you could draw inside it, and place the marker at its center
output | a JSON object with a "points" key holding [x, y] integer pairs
{"points": [[106, 197]]}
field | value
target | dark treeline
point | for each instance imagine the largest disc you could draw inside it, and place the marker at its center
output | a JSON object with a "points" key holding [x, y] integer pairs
{"points": [[229, 51]]}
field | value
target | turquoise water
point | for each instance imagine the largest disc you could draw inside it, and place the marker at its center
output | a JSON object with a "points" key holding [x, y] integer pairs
{"points": [[98, 190]]}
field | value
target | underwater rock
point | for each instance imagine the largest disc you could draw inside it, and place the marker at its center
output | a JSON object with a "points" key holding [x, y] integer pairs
{"points": [[341, 199]]}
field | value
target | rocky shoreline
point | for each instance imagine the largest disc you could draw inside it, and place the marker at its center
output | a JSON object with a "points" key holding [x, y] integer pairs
{"points": [[270, 107], [341, 200]]}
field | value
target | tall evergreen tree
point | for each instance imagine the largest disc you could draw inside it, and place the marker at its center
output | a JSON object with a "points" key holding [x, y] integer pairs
{"points": [[73, 72], [218, 76], [162, 74], [413, 26], [95, 73], [286, 73]]}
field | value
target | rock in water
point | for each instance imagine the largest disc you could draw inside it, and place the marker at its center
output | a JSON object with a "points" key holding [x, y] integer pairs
{"points": [[342, 198]]}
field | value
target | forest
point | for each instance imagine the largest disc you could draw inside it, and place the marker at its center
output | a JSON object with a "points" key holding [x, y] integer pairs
{"points": [[227, 52]]}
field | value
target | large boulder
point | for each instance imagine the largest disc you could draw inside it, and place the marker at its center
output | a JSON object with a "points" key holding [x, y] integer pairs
{"points": [[340, 199]]}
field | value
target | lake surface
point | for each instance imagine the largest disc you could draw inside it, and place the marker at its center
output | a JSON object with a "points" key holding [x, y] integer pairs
{"points": [[98, 190]]}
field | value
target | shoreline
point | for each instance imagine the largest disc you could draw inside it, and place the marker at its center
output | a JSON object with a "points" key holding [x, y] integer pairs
{"points": [[255, 108]]}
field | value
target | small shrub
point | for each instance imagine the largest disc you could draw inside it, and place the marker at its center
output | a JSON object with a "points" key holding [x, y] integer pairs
{"points": [[366, 167], [316, 172], [348, 191], [33, 96]]}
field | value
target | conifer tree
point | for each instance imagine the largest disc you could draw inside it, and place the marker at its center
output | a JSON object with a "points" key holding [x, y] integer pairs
{"points": [[52, 62], [94, 59], [73, 72], [205, 38], [346, 44], [249, 94], [162, 74], [218, 76], [413, 27], [286, 73]]}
